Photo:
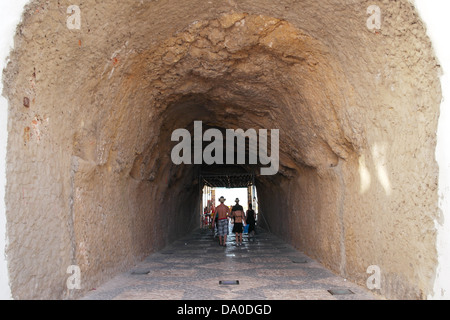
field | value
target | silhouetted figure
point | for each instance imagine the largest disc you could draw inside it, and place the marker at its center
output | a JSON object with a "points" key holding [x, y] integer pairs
{"points": [[251, 221], [239, 219]]}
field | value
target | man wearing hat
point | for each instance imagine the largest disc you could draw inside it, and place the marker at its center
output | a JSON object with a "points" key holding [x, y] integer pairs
{"points": [[222, 212], [239, 219]]}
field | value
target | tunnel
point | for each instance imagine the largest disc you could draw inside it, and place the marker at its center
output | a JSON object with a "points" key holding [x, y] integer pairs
{"points": [[92, 110]]}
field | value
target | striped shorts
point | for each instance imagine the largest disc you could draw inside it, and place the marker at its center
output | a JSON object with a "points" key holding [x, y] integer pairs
{"points": [[222, 227]]}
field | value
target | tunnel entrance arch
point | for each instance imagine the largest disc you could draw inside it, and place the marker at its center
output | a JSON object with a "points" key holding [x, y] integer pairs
{"points": [[88, 149]]}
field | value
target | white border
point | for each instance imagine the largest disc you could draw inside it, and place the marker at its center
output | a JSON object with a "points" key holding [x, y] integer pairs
{"points": [[10, 15], [434, 13]]}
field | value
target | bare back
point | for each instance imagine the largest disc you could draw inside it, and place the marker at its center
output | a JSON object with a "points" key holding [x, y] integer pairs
{"points": [[222, 211], [238, 216]]}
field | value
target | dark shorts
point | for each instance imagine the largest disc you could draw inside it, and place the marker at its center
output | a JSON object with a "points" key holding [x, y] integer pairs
{"points": [[238, 228]]}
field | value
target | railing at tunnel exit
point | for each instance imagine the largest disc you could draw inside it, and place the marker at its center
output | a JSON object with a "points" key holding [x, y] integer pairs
{"points": [[231, 180]]}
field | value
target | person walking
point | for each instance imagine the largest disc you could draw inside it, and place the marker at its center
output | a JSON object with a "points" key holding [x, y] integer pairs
{"points": [[222, 212], [250, 220], [239, 219]]}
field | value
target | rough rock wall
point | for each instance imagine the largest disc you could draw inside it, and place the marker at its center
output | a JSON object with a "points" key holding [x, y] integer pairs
{"points": [[90, 181]]}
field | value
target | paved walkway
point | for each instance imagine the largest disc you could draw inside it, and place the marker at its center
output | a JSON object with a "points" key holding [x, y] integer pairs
{"points": [[191, 269]]}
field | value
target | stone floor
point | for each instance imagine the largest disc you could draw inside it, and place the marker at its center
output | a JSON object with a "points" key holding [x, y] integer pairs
{"points": [[191, 269]]}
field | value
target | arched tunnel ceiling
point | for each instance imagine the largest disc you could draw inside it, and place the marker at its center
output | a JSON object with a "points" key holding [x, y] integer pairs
{"points": [[243, 67]]}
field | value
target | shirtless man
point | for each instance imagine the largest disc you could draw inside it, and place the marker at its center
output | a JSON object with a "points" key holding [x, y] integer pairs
{"points": [[222, 212], [239, 219]]}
